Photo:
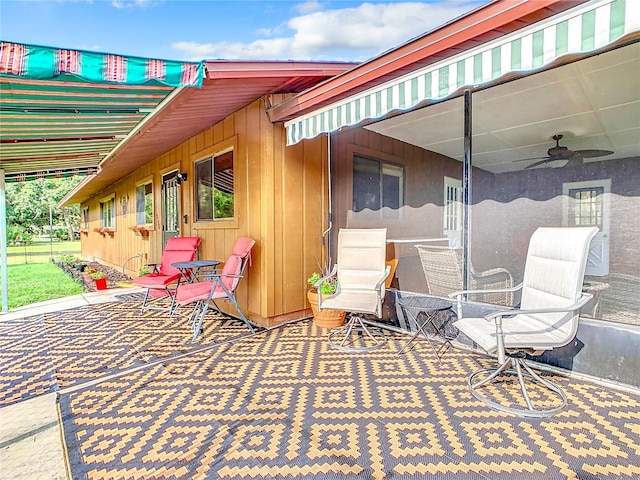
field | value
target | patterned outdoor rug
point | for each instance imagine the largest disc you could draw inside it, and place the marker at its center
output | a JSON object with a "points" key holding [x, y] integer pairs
{"points": [[44, 353], [283, 405]]}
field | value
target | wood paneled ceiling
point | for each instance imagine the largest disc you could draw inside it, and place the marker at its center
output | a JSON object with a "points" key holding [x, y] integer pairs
{"points": [[53, 128], [228, 87]]}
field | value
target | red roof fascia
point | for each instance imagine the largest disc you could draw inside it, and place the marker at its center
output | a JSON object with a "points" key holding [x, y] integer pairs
{"points": [[222, 69], [490, 21]]}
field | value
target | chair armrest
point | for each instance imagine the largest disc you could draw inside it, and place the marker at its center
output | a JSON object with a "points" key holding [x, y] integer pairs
{"points": [[208, 274], [487, 290], [381, 282], [326, 277], [212, 275], [584, 298], [493, 271], [316, 285], [458, 295]]}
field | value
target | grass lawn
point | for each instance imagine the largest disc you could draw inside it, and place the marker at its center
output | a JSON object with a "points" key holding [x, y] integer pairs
{"points": [[40, 251], [31, 276], [36, 282]]}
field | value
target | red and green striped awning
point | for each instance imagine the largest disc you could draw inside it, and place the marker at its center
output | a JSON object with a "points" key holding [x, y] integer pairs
{"points": [[63, 111], [47, 63]]}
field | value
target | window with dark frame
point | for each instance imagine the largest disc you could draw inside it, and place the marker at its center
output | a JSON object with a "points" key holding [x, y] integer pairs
{"points": [[214, 186], [144, 204], [377, 184], [586, 208]]}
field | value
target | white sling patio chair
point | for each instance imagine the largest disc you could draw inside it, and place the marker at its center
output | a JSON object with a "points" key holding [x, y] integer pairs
{"points": [[361, 272], [547, 318]]}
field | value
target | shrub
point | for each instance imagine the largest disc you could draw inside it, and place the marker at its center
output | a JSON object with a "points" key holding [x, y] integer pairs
{"points": [[91, 270], [17, 235], [70, 260]]}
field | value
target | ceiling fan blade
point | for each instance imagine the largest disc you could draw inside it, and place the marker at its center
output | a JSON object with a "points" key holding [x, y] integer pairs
{"points": [[541, 162], [551, 162], [593, 153], [529, 159]]}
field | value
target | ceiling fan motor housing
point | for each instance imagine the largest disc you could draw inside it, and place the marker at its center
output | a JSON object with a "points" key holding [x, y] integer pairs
{"points": [[560, 152]]}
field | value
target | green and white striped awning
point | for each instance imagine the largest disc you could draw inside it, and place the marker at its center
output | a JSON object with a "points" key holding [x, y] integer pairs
{"points": [[578, 31]]}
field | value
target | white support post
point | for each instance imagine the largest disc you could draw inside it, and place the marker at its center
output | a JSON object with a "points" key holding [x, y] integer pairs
{"points": [[3, 245]]}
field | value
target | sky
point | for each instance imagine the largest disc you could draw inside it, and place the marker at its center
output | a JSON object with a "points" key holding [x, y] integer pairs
{"points": [[232, 30]]}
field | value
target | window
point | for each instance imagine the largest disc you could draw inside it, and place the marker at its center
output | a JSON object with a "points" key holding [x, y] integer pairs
{"points": [[108, 212], [214, 187], [452, 204], [586, 208], [376, 184], [144, 204], [452, 211], [85, 218]]}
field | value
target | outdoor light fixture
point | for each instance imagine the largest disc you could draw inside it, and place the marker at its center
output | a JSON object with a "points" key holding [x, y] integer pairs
{"points": [[181, 177]]}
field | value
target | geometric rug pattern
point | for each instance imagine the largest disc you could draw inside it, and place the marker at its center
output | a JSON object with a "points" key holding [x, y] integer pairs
{"points": [[47, 352], [283, 405], [138, 400]]}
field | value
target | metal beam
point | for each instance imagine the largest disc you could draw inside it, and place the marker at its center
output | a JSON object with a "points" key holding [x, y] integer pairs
{"points": [[466, 191]]}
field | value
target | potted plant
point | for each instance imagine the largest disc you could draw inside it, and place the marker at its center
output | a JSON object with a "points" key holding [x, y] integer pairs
{"points": [[144, 271], [100, 279], [324, 318]]}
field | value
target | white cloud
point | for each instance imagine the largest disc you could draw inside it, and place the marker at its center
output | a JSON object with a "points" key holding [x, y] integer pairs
{"points": [[308, 7], [120, 4], [355, 33], [269, 49]]}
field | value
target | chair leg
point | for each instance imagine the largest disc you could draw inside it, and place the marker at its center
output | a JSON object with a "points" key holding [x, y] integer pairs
{"points": [[147, 300], [144, 301], [354, 336], [191, 319], [515, 365], [242, 316], [174, 304], [199, 314]]}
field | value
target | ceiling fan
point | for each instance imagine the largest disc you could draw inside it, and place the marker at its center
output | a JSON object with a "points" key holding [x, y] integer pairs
{"points": [[560, 152]]}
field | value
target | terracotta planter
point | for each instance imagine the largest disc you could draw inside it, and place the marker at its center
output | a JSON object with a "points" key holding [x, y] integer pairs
{"points": [[101, 283], [325, 318]]}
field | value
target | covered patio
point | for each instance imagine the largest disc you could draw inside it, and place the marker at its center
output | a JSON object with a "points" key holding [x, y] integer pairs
{"points": [[137, 400]]}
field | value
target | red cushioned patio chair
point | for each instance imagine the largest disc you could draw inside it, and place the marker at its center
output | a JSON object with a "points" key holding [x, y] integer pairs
{"points": [[165, 279], [220, 286]]}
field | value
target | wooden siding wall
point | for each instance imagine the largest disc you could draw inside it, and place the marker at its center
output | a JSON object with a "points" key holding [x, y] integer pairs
{"points": [[280, 201]]}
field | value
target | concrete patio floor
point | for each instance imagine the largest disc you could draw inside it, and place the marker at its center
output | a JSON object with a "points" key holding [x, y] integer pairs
{"points": [[101, 391]]}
